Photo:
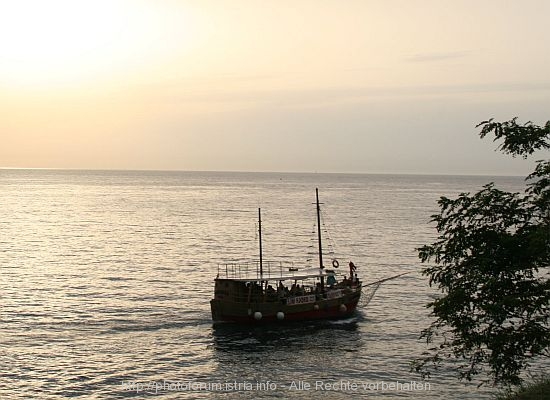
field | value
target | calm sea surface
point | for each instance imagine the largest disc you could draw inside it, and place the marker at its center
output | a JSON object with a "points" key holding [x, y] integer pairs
{"points": [[106, 277]]}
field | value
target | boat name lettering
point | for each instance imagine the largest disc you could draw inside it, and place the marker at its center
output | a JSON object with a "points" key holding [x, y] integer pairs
{"points": [[301, 300]]}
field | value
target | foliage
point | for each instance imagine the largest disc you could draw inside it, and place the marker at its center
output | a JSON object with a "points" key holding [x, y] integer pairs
{"points": [[521, 140], [534, 391], [490, 261]]}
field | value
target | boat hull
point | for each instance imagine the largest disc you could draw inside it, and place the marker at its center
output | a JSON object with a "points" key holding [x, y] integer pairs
{"points": [[277, 312]]}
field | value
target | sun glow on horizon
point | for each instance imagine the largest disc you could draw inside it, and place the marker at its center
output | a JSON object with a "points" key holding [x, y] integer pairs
{"points": [[47, 43], [379, 86]]}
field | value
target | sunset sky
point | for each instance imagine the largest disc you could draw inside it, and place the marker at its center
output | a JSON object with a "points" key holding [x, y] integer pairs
{"points": [[382, 86]]}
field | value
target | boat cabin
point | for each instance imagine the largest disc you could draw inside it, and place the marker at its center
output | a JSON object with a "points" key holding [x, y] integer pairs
{"points": [[294, 285]]}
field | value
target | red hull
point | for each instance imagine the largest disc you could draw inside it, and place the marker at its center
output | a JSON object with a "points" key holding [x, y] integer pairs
{"points": [[247, 313]]}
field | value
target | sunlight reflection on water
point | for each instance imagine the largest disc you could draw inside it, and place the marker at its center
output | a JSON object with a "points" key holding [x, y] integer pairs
{"points": [[106, 278]]}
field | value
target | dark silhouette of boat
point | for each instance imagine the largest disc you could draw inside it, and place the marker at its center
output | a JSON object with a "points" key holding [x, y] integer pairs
{"points": [[268, 293]]}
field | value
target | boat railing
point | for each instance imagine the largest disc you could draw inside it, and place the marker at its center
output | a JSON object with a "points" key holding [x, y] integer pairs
{"points": [[285, 296], [251, 270]]}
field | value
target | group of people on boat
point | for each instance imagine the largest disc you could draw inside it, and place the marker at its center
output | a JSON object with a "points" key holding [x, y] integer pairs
{"points": [[270, 293], [284, 291]]}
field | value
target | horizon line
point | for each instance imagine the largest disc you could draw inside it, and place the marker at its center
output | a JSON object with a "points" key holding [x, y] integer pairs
{"points": [[481, 174]]}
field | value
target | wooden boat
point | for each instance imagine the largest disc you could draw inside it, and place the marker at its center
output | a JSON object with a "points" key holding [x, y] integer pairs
{"points": [[271, 293]]}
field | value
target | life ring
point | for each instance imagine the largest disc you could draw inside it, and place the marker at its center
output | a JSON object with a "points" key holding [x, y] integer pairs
{"points": [[335, 263]]}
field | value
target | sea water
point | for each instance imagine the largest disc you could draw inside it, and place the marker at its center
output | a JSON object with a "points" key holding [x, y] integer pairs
{"points": [[106, 277]]}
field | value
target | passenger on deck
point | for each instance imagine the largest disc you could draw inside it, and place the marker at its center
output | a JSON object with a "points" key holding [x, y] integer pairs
{"points": [[352, 270]]}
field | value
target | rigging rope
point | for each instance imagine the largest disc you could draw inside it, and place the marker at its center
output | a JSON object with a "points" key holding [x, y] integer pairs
{"points": [[373, 287]]}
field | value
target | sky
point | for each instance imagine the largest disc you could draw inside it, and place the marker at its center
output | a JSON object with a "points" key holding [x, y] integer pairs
{"points": [[360, 86]]}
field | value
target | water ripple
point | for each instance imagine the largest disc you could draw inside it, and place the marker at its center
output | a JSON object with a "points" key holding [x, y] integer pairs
{"points": [[106, 278]]}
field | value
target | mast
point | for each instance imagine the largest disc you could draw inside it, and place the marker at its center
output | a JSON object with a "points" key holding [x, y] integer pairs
{"points": [[260, 236], [319, 238], [319, 229]]}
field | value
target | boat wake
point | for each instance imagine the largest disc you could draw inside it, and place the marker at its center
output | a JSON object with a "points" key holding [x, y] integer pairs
{"points": [[347, 321], [145, 327]]}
